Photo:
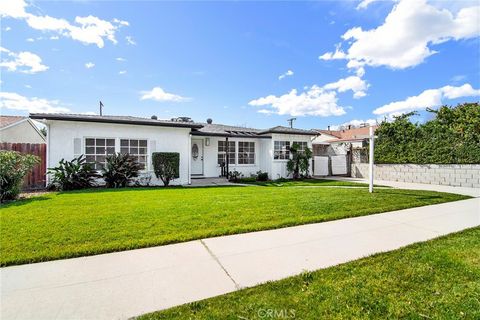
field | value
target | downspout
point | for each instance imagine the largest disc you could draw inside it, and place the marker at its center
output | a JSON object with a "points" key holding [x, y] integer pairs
{"points": [[47, 156]]}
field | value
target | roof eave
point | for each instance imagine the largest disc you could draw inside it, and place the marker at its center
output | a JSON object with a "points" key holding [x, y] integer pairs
{"points": [[38, 116]]}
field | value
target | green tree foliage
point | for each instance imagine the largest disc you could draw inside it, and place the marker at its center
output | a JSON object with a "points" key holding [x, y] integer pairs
{"points": [[74, 174], [119, 170], [166, 166], [453, 136], [14, 166], [300, 162]]}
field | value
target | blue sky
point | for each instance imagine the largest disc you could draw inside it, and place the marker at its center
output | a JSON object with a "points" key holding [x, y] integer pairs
{"points": [[341, 61]]}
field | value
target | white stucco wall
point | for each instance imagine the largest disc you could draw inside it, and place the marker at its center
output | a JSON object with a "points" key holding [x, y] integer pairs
{"points": [[61, 136], [279, 167], [21, 133], [210, 156]]}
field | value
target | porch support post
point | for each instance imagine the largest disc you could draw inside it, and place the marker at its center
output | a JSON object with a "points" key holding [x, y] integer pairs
{"points": [[227, 149], [371, 160]]}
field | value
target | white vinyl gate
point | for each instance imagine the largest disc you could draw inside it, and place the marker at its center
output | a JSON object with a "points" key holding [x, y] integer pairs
{"points": [[339, 164], [320, 167]]}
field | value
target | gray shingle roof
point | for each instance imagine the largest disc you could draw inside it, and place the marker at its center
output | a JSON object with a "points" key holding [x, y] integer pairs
{"points": [[288, 130], [225, 131], [114, 119]]}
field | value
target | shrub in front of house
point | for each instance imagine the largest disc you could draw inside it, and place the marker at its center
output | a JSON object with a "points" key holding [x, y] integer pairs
{"points": [[72, 175], [234, 176], [119, 170], [14, 166], [166, 166], [262, 176]]}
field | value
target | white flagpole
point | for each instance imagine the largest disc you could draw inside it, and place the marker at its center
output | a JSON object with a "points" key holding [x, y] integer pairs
{"points": [[371, 160]]}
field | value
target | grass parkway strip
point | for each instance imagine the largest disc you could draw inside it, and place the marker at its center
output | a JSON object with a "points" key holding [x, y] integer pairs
{"points": [[438, 279], [89, 222]]}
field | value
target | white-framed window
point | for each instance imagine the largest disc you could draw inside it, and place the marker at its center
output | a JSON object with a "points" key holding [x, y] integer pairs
{"points": [[136, 148], [246, 152], [97, 150], [222, 152], [281, 150], [302, 145]]}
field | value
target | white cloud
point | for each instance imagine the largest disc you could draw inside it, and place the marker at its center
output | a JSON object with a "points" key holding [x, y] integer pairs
{"points": [[54, 38], [24, 62], [28, 86], [130, 40], [158, 94], [286, 74], [407, 34], [121, 59], [365, 3], [89, 65], [122, 72], [428, 99], [354, 83], [14, 101], [30, 40], [458, 78], [315, 101], [88, 30], [7, 29]]}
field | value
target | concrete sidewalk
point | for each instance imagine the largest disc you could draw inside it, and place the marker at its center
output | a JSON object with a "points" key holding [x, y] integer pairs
{"points": [[125, 284], [472, 192]]}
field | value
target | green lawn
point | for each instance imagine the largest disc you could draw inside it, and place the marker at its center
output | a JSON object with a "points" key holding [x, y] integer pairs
{"points": [[305, 182], [70, 224], [439, 279]]}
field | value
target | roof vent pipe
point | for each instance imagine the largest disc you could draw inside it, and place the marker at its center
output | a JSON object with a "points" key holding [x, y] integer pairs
{"points": [[209, 121], [328, 128], [154, 117]]}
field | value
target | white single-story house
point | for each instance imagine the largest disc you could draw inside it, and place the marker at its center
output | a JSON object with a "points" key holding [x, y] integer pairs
{"points": [[203, 147], [18, 129]]}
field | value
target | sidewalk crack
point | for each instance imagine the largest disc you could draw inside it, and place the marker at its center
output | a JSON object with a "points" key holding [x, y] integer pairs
{"points": [[237, 286]]}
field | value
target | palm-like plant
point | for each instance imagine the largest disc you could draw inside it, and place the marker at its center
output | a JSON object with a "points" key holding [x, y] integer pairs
{"points": [[300, 162], [74, 174], [119, 170]]}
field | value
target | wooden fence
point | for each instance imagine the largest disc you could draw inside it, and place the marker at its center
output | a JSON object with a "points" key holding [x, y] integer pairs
{"points": [[37, 177]]}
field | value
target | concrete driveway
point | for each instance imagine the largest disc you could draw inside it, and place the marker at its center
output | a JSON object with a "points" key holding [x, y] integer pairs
{"points": [[125, 284]]}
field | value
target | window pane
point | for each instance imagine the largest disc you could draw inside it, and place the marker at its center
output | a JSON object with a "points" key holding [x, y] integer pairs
{"points": [[100, 142], [90, 159], [100, 158], [143, 143], [90, 142], [90, 150], [110, 150], [142, 150], [133, 143], [133, 150], [111, 142], [124, 143], [123, 150], [100, 150]]}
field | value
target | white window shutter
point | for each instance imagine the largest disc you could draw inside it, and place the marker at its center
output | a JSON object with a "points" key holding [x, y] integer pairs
{"points": [[77, 147]]}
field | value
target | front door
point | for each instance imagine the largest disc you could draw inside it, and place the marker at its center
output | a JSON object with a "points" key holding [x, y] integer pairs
{"points": [[197, 157]]}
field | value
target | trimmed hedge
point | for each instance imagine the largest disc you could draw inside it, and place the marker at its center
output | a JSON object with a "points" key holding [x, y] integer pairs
{"points": [[166, 166], [452, 137]]}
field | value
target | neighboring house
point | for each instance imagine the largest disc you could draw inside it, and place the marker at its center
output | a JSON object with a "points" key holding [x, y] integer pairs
{"points": [[16, 129], [202, 146], [335, 150]]}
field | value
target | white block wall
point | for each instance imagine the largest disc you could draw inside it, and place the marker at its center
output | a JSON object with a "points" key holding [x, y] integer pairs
{"points": [[458, 175]]}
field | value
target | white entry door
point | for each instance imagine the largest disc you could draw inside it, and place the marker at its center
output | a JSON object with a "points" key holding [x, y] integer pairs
{"points": [[197, 157]]}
